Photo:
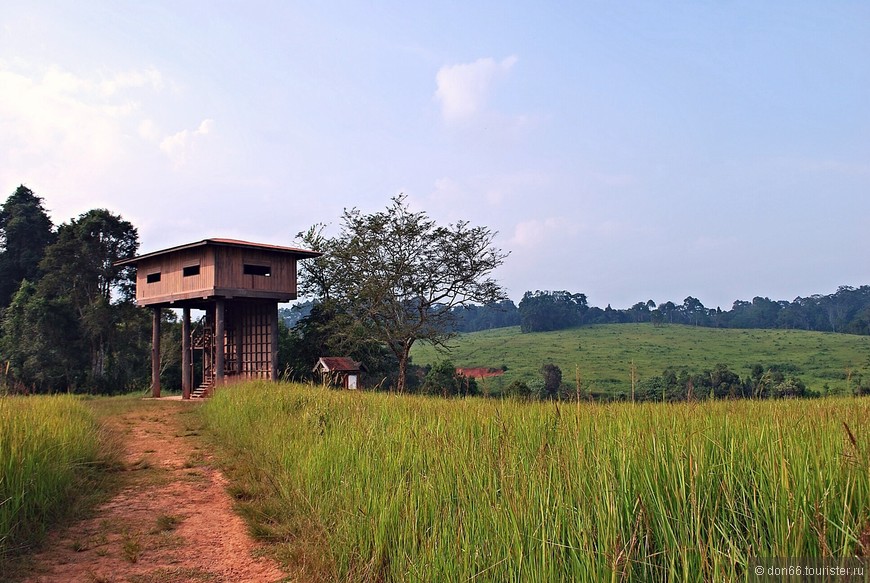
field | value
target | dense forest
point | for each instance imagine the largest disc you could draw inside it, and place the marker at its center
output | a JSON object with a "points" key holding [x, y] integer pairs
{"points": [[69, 322]]}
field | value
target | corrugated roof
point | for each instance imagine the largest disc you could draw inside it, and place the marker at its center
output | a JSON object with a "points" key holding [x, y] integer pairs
{"points": [[302, 253], [339, 364]]}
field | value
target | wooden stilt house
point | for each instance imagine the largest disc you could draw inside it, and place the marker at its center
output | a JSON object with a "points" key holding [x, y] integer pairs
{"points": [[239, 285]]}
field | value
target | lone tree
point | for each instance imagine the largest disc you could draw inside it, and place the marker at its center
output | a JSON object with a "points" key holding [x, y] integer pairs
{"points": [[394, 276], [552, 380]]}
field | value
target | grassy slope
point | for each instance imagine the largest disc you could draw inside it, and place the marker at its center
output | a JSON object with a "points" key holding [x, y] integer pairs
{"points": [[604, 353]]}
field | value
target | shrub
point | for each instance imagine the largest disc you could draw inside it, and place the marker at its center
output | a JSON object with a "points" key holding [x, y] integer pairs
{"points": [[442, 379], [520, 390]]}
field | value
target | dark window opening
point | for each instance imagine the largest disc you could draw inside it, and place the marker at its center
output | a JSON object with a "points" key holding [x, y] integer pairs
{"points": [[191, 270], [153, 277], [263, 270]]}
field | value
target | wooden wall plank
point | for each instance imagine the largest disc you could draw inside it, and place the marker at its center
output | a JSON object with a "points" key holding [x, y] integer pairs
{"points": [[221, 273], [171, 269]]}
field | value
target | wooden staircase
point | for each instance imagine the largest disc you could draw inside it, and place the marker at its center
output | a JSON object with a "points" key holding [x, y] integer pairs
{"points": [[202, 391], [203, 339]]}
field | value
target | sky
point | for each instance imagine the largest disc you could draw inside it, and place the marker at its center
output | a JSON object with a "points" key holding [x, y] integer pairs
{"points": [[626, 150]]}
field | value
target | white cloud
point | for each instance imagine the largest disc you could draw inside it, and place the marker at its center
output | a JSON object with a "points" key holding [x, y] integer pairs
{"points": [[205, 126], [536, 231], [52, 119], [88, 138], [64, 126], [464, 88], [447, 193], [148, 130], [541, 232], [132, 79], [59, 82], [179, 145]]}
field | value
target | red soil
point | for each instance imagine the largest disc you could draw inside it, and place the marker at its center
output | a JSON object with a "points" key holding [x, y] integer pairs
{"points": [[479, 372]]}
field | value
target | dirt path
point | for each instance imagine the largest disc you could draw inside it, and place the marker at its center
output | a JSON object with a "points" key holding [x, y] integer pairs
{"points": [[172, 521]]}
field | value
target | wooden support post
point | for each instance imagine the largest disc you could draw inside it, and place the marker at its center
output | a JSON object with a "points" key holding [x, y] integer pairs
{"points": [[220, 341], [155, 352], [186, 369], [238, 329], [273, 328]]}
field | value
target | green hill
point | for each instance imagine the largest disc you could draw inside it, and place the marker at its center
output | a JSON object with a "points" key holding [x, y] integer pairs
{"points": [[826, 362]]}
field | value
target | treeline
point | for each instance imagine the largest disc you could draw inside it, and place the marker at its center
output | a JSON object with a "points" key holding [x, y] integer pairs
{"points": [[67, 317], [773, 382], [722, 383], [846, 311], [474, 318], [471, 318]]}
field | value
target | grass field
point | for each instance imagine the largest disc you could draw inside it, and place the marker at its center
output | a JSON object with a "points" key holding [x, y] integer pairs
{"points": [[48, 445], [366, 486], [828, 363]]}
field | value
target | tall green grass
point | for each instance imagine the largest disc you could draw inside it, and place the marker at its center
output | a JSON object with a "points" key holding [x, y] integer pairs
{"points": [[46, 444], [423, 489]]}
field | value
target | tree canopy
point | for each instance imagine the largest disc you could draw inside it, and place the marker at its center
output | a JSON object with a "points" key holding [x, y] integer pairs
{"points": [[25, 231], [395, 276], [544, 310], [75, 324]]}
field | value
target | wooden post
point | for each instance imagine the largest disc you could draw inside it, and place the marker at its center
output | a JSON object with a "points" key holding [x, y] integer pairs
{"points": [[155, 352], [220, 341], [273, 365], [238, 329], [185, 355]]}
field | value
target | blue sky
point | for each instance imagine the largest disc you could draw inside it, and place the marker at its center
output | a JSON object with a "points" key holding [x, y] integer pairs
{"points": [[630, 151]]}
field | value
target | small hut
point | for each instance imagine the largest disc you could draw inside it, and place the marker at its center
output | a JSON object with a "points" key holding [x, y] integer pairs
{"points": [[238, 284], [340, 371]]}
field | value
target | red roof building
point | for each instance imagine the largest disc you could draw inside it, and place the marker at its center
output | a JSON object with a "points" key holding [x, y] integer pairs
{"points": [[340, 371]]}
